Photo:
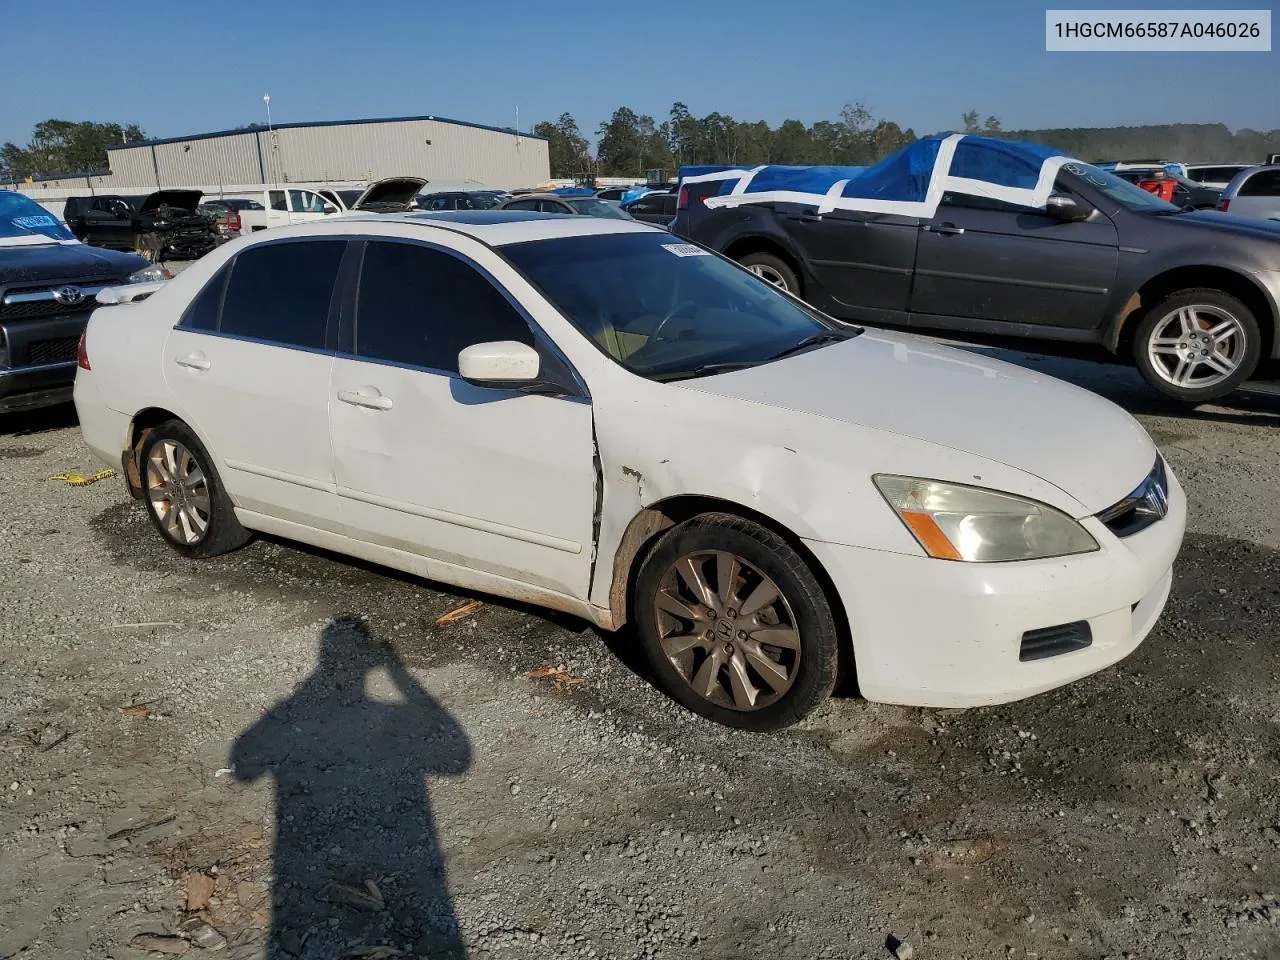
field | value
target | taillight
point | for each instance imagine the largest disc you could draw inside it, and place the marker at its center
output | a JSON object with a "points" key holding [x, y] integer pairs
{"points": [[1223, 204], [233, 221], [82, 354], [682, 199]]}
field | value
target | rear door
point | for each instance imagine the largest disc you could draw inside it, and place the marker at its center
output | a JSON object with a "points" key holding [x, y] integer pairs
{"points": [[1258, 196], [277, 208], [863, 260], [988, 260], [248, 367]]}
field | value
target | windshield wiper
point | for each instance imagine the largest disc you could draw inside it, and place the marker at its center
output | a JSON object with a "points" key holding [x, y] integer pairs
{"points": [[706, 370], [813, 340]]}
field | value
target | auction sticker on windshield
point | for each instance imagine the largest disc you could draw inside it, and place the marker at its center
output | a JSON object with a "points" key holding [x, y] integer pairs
{"points": [[685, 249]]}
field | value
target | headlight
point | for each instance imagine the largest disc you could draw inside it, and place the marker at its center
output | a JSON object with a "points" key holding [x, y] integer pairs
{"points": [[151, 274], [955, 522]]}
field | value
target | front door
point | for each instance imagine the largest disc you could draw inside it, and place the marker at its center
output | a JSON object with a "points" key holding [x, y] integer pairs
{"points": [[862, 260], [251, 376], [492, 480], [990, 260]]}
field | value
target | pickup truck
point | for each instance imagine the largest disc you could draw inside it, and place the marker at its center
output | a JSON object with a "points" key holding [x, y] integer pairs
{"points": [[159, 225], [285, 205], [48, 281]]}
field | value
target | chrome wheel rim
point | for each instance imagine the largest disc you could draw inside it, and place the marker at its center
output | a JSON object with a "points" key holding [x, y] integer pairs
{"points": [[178, 492], [728, 631], [1197, 346], [769, 275]]}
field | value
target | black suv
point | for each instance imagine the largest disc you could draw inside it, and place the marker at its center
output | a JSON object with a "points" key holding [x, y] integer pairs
{"points": [[1192, 296], [47, 286], [159, 225]]}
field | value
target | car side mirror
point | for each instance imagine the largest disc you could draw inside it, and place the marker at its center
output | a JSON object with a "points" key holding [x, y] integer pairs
{"points": [[500, 364], [1060, 206], [329, 208]]}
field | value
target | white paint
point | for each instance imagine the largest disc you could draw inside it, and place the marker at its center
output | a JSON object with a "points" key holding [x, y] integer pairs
{"points": [[496, 490]]}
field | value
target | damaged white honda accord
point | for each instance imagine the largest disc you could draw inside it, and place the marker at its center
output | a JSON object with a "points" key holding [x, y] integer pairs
{"points": [[588, 415]]}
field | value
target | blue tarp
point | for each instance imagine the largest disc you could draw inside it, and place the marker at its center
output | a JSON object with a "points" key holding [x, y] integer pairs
{"points": [[910, 182]]}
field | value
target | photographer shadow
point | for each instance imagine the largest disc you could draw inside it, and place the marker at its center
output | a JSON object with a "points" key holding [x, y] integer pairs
{"points": [[357, 859]]}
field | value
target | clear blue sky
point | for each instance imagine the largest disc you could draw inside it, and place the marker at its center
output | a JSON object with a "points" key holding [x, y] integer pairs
{"points": [[180, 70]]}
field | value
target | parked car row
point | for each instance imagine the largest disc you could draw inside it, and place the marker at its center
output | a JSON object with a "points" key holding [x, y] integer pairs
{"points": [[1191, 297], [163, 224]]}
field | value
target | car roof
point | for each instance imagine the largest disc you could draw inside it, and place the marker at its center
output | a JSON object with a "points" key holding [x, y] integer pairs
{"points": [[492, 227]]}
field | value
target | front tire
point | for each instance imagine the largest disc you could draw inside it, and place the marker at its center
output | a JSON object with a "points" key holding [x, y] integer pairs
{"points": [[773, 270], [735, 624], [1197, 345], [184, 494]]}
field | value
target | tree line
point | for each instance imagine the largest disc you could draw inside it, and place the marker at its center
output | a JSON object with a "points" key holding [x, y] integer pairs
{"points": [[631, 144], [65, 147]]}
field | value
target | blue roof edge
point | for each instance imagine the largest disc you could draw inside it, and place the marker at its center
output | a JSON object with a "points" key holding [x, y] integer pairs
{"points": [[323, 123]]}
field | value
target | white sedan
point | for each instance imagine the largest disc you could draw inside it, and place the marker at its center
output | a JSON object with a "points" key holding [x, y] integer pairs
{"points": [[592, 416]]}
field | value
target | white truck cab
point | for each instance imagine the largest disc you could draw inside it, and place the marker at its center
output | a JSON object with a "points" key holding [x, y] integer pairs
{"points": [[286, 205]]}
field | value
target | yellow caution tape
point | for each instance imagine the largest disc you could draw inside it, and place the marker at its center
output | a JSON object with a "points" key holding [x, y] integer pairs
{"points": [[75, 480]]}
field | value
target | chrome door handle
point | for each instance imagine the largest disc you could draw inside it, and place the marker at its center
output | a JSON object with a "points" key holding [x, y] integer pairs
{"points": [[194, 361], [366, 397], [946, 229]]}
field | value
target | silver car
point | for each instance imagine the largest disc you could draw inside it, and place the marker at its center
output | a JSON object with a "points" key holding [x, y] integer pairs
{"points": [[1253, 193]]}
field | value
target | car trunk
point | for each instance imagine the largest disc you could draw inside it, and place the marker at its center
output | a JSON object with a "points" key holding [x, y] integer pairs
{"points": [[391, 195]]}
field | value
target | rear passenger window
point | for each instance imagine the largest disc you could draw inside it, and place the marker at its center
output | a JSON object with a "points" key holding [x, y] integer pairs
{"points": [[420, 306], [1262, 185], [202, 314], [281, 291]]}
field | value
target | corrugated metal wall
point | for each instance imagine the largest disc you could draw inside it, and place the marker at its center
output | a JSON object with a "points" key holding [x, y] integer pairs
{"points": [[132, 166], [433, 149], [229, 159]]}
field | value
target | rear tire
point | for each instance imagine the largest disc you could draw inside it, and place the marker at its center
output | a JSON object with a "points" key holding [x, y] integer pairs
{"points": [[772, 270], [735, 624], [1197, 345], [184, 494]]}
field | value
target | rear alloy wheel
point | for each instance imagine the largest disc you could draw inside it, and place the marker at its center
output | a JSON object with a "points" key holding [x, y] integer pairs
{"points": [[184, 496], [1198, 345], [735, 624], [773, 270]]}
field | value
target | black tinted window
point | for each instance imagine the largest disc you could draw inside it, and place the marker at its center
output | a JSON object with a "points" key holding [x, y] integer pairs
{"points": [[281, 292], [1262, 185], [202, 314], [420, 306], [523, 205]]}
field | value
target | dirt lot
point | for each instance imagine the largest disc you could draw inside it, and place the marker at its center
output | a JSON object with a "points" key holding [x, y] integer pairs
{"points": [[181, 742]]}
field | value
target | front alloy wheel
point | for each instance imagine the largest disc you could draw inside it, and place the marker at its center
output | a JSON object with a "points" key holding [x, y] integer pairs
{"points": [[735, 623], [727, 630], [1198, 345]]}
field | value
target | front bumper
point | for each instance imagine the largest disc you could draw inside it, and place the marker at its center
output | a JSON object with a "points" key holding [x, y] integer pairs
{"points": [[26, 388], [938, 633]]}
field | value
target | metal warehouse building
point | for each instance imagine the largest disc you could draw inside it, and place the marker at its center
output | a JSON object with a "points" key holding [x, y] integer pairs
{"points": [[442, 151]]}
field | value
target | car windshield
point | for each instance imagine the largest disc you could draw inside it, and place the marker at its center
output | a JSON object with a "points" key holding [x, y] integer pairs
{"points": [[598, 208], [482, 201], [668, 310], [348, 197], [23, 217], [1128, 195]]}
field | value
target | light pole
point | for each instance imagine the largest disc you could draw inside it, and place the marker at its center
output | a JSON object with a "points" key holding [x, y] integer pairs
{"points": [[271, 138]]}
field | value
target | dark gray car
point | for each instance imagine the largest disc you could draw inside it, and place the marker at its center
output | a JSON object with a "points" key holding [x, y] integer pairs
{"points": [[1191, 296]]}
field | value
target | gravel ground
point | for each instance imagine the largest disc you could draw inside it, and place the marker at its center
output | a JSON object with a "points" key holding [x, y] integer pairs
{"points": [[183, 742]]}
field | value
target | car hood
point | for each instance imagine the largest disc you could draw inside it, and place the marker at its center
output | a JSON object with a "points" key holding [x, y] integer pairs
{"points": [[181, 199], [1243, 226], [63, 261], [1079, 442], [393, 190]]}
